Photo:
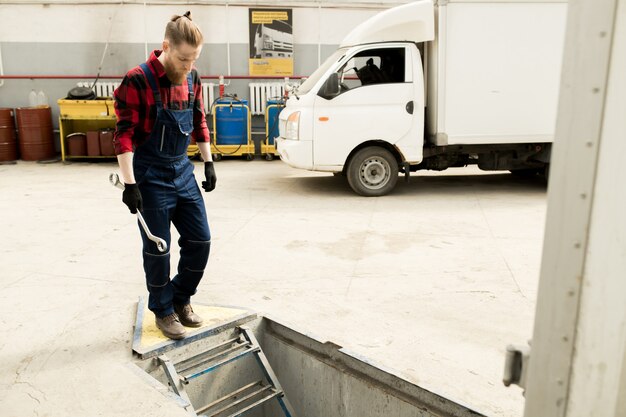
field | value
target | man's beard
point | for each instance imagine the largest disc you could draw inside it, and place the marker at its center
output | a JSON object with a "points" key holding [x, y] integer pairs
{"points": [[176, 77]]}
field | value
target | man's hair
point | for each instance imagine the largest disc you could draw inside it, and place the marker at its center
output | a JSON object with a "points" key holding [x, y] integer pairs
{"points": [[181, 29]]}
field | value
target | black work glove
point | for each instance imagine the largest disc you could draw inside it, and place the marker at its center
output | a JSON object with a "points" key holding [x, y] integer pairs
{"points": [[132, 198], [209, 174]]}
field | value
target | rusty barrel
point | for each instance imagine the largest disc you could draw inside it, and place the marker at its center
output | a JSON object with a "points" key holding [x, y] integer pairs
{"points": [[34, 126], [8, 141]]}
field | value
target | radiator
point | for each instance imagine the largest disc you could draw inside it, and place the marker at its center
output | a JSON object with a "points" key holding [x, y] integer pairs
{"points": [[261, 92], [208, 96], [103, 89]]}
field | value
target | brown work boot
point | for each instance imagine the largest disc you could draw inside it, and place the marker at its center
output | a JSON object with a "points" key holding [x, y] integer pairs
{"points": [[171, 327], [187, 316]]}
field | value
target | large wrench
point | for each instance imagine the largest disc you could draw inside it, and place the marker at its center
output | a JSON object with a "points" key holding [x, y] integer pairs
{"points": [[114, 179]]}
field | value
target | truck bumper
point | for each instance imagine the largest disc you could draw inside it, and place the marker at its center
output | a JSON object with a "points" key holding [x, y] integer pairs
{"points": [[296, 153]]}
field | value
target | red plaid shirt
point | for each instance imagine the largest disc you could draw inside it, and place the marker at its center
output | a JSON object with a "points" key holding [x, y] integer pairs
{"points": [[135, 107]]}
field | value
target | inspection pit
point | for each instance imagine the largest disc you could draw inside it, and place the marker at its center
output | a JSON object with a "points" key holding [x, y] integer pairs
{"points": [[239, 363]]}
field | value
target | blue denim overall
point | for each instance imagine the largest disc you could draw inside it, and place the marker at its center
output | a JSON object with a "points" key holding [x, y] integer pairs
{"points": [[170, 193]]}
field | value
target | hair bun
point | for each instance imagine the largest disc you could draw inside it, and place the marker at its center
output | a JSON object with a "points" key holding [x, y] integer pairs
{"points": [[176, 17]]}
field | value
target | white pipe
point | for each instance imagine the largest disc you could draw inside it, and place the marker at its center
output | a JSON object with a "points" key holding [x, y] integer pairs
{"points": [[380, 5], [145, 30], [319, 34], [227, 40], [106, 45]]}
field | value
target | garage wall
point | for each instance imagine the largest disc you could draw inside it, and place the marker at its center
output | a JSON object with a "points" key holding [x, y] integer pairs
{"points": [[57, 38]]}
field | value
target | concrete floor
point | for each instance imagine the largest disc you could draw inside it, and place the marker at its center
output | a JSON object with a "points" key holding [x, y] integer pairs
{"points": [[433, 281]]}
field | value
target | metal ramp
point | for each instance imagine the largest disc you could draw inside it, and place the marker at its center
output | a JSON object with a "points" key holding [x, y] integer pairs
{"points": [[224, 340]]}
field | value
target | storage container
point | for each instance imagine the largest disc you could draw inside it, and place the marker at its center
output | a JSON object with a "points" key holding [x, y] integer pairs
{"points": [[231, 122], [76, 144], [106, 143], [34, 125], [93, 143], [8, 139], [274, 107]]}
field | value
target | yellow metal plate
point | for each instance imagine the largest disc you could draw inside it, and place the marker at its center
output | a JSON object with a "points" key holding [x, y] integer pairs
{"points": [[149, 341]]}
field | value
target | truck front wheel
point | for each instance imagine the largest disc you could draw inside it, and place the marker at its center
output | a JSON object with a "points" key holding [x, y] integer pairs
{"points": [[372, 171]]}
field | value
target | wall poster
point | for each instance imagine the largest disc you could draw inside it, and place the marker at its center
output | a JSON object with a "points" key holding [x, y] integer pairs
{"points": [[271, 42]]}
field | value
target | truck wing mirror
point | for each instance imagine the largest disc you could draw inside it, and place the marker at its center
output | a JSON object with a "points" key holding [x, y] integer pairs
{"points": [[331, 86]]}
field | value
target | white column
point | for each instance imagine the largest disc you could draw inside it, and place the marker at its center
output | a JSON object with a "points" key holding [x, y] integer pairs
{"points": [[577, 363]]}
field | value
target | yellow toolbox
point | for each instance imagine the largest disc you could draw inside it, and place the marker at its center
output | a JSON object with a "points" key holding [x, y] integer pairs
{"points": [[82, 116], [87, 109], [92, 115]]}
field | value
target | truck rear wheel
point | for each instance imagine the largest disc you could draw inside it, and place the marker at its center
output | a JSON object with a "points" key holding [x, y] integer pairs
{"points": [[372, 171]]}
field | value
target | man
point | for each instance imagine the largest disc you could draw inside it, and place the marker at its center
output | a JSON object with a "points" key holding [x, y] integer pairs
{"points": [[159, 107]]}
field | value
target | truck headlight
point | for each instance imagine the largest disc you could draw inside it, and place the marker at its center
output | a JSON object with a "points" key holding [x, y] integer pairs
{"points": [[292, 129]]}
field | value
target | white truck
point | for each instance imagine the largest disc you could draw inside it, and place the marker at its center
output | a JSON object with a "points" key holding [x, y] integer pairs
{"points": [[273, 43], [432, 86]]}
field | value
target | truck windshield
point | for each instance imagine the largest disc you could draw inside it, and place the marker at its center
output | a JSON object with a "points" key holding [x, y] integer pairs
{"points": [[318, 73]]}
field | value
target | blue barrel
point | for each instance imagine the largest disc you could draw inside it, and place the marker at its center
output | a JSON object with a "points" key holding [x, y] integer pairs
{"points": [[272, 119], [231, 123]]}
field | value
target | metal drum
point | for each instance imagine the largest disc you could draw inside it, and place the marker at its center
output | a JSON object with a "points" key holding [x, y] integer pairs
{"points": [[231, 122], [34, 126], [8, 141]]}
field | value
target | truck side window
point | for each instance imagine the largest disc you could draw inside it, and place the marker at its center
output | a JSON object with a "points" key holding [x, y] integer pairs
{"points": [[373, 66]]}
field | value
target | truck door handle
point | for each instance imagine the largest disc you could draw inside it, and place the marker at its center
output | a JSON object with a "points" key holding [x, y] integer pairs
{"points": [[409, 107]]}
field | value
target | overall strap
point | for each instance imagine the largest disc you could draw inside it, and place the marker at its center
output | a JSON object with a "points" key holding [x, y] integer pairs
{"points": [[153, 85], [192, 96]]}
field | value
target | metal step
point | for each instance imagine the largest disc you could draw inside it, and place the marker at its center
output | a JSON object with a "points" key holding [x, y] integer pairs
{"points": [[254, 391], [248, 348], [202, 357]]}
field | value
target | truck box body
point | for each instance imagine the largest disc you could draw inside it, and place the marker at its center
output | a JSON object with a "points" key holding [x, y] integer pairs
{"points": [[493, 72], [432, 86]]}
